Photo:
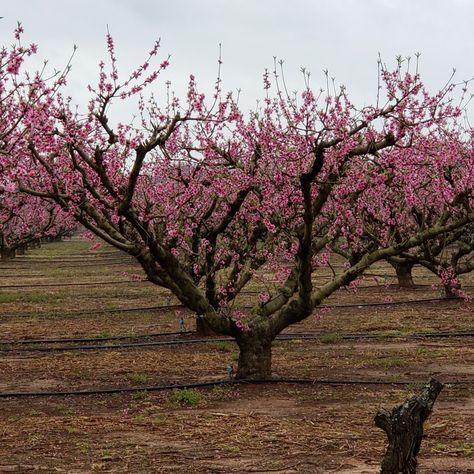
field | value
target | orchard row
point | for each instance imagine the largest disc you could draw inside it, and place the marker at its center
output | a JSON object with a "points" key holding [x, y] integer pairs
{"points": [[207, 197]]}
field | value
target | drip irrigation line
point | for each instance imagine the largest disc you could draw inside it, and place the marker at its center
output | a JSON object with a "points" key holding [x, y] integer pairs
{"points": [[80, 265], [180, 306], [171, 342], [95, 311], [26, 266], [110, 282], [29, 275], [381, 286], [79, 283], [376, 335], [73, 256], [131, 345], [213, 383], [387, 303], [69, 259], [94, 339]]}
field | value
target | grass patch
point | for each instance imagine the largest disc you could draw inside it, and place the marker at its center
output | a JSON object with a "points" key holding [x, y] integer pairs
{"points": [[330, 338], [388, 362], [186, 397], [28, 297], [72, 430], [138, 377], [222, 346], [416, 386], [140, 395]]}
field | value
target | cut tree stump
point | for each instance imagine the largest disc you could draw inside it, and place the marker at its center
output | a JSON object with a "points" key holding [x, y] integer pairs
{"points": [[404, 429]]}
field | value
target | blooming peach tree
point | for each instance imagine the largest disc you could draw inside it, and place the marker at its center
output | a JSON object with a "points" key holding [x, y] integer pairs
{"points": [[23, 95], [210, 200], [25, 220], [440, 167]]}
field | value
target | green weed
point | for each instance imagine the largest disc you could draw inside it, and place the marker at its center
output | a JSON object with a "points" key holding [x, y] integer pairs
{"points": [[221, 346], [330, 338], [186, 397], [138, 377]]}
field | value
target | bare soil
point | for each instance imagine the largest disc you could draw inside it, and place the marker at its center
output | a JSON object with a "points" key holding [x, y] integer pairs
{"points": [[268, 428]]}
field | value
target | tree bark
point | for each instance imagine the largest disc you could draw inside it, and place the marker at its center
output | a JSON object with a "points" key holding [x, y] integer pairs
{"points": [[203, 328], [255, 358], [34, 244], [404, 429], [7, 253], [404, 274], [21, 250], [450, 291]]}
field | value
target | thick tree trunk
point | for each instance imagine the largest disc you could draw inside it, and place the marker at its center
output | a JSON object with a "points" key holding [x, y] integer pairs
{"points": [[255, 358], [404, 275], [404, 429], [203, 328]]}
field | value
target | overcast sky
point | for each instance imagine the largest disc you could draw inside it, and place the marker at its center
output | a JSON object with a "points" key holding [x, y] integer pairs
{"points": [[344, 36]]}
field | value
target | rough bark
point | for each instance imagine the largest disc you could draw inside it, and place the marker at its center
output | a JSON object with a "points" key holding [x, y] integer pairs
{"points": [[404, 429], [203, 328], [255, 358], [404, 274], [7, 253], [450, 291], [34, 244], [21, 250]]}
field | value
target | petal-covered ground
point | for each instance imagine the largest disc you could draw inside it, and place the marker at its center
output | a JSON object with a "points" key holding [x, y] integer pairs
{"points": [[284, 428]]}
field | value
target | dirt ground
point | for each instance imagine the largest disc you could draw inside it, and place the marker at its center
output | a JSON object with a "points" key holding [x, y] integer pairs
{"points": [[267, 428]]}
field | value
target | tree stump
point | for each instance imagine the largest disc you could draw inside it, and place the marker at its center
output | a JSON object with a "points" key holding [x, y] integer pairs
{"points": [[404, 429]]}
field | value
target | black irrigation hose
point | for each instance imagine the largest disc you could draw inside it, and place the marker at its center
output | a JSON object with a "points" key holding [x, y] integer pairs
{"points": [[129, 263], [95, 311], [180, 306], [388, 303], [79, 265], [54, 260], [172, 342], [213, 383], [30, 275], [131, 345], [79, 283], [94, 339], [375, 335], [72, 256], [110, 282], [369, 287]]}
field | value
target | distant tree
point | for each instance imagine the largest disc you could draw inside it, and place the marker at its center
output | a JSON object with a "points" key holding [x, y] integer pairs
{"points": [[23, 94], [448, 257], [25, 220], [402, 213]]}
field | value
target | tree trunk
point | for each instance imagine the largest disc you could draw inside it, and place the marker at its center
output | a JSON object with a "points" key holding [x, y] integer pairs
{"points": [[255, 358], [404, 429], [404, 275], [34, 244], [7, 253], [450, 291], [21, 250], [203, 328]]}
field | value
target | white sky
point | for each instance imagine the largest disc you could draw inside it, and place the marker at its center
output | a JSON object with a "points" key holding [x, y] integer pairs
{"points": [[344, 36]]}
